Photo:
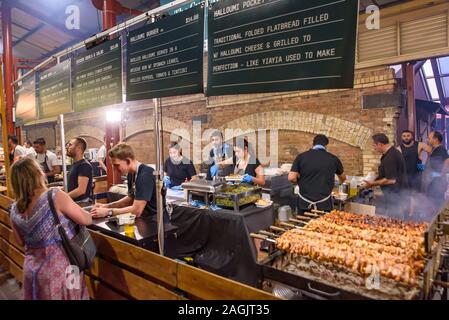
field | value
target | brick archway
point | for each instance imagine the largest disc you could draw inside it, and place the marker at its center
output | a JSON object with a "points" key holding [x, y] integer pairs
{"points": [[349, 133], [85, 131], [146, 124]]}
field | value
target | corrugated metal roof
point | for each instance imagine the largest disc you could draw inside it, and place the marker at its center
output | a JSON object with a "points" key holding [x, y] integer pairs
{"points": [[39, 25], [39, 30]]}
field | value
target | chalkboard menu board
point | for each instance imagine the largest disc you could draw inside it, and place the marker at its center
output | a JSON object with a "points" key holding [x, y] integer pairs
{"points": [[165, 58], [26, 99], [98, 76], [281, 45], [55, 90]]}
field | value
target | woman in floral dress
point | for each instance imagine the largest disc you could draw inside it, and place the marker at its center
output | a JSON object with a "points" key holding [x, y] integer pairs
{"points": [[46, 271]]}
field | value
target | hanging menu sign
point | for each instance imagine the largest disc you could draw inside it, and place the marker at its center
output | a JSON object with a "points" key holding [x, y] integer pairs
{"points": [[26, 99], [165, 58], [281, 45], [98, 76], [54, 90]]}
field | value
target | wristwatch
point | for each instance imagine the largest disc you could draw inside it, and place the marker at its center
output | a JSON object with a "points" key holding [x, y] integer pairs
{"points": [[110, 213]]}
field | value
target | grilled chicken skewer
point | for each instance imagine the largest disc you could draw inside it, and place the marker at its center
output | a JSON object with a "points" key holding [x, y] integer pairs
{"points": [[362, 243]]}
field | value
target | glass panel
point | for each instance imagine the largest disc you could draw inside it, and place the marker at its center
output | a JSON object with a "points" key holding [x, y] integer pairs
{"points": [[445, 82], [433, 89], [444, 65], [427, 67]]}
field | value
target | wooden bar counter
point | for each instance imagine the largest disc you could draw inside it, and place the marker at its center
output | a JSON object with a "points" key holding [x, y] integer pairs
{"points": [[125, 271]]}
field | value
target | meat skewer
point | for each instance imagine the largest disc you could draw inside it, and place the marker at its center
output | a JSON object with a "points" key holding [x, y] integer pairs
{"points": [[361, 243]]}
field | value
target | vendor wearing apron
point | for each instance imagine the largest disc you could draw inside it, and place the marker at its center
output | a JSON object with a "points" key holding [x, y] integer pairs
{"points": [[220, 151], [80, 177], [314, 171], [47, 160], [101, 157], [16, 151], [392, 179], [439, 167], [141, 198], [245, 164]]}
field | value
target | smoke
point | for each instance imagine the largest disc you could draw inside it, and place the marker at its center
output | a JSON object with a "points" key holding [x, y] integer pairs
{"points": [[409, 205]]}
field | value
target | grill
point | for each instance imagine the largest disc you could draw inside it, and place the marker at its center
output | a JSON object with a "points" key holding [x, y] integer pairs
{"points": [[324, 279]]}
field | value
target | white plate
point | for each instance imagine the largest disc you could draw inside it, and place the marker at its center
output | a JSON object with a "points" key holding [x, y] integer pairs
{"points": [[266, 206]]}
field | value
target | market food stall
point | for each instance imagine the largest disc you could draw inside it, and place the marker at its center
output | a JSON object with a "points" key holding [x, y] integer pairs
{"points": [[211, 247]]}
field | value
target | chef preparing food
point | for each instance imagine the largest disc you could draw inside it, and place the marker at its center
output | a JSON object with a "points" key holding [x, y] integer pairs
{"points": [[245, 164], [438, 167], [178, 169], [220, 152], [314, 171], [392, 179]]}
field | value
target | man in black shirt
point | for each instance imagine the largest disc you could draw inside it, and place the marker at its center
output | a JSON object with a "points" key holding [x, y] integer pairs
{"points": [[178, 169], [412, 151], [141, 198], [392, 178], [80, 177], [315, 171], [439, 167]]}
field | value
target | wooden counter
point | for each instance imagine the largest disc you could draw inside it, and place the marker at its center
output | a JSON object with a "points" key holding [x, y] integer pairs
{"points": [[124, 271]]}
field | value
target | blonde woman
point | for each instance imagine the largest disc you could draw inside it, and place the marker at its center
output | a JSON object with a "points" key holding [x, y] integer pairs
{"points": [[46, 264]]}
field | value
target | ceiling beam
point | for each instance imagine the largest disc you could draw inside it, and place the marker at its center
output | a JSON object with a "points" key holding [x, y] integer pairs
{"points": [[154, 4], [29, 34], [60, 48], [419, 65], [48, 21], [436, 74]]}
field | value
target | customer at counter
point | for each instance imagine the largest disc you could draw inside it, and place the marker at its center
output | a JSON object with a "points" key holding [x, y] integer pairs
{"points": [[392, 179], [80, 177], [439, 168], [47, 160], [178, 169], [16, 151], [33, 225], [245, 164], [141, 198], [314, 171], [220, 152]]}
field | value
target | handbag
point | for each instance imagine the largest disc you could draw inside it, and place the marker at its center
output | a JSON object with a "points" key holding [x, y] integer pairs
{"points": [[81, 249]]}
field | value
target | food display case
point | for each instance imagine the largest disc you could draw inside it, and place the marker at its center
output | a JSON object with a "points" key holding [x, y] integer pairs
{"points": [[236, 196]]}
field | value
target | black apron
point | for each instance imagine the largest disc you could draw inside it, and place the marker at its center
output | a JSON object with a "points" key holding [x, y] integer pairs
{"points": [[411, 157], [46, 169], [11, 156]]}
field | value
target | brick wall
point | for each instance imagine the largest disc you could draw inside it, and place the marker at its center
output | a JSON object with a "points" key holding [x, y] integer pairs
{"points": [[297, 116]]}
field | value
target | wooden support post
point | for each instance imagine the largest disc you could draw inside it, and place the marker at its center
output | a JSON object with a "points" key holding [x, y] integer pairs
{"points": [[5, 135], [411, 104]]}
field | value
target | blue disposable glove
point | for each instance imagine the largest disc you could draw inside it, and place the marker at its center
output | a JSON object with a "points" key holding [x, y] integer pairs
{"points": [[214, 207], [177, 188], [167, 182], [247, 178], [421, 166], [213, 170]]}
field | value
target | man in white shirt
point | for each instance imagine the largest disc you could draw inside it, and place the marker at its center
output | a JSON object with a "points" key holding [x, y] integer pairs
{"points": [[29, 149], [47, 160], [101, 157], [16, 151]]}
